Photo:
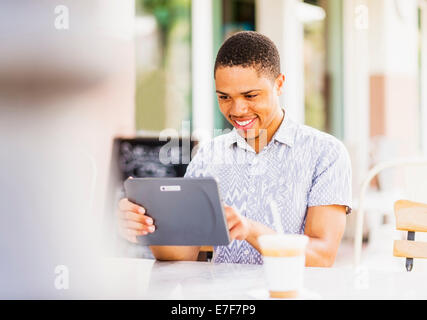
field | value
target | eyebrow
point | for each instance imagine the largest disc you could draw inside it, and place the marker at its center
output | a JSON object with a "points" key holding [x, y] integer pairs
{"points": [[242, 93]]}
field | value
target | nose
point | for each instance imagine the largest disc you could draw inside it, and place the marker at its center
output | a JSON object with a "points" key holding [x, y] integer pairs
{"points": [[239, 108]]}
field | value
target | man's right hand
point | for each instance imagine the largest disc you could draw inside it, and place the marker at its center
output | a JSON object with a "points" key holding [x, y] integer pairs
{"points": [[133, 221]]}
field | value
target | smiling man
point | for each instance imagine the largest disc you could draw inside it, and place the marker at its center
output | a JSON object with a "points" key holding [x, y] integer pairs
{"points": [[267, 160]]}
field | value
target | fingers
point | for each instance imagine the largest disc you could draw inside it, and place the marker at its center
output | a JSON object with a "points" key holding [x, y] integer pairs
{"points": [[126, 205], [136, 221], [131, 234], [233, 233], [233, 223], [228, 211], [133, 222], [237, 226], [132, 225], [134, 232], [128, 235], [130, 238], [136, 217], [236, 233], [231, 217], [232, 220]]}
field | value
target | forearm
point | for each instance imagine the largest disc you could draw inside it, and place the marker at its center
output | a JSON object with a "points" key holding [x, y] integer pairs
{"points": [[319, 254], [318, 251], [175, 253], [325, 227]]}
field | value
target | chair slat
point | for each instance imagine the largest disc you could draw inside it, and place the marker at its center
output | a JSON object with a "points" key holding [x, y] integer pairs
{"points": [[411, 216], [410, 249]]}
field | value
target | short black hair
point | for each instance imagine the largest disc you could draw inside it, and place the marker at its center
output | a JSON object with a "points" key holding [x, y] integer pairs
{"points": [[250, 49]]}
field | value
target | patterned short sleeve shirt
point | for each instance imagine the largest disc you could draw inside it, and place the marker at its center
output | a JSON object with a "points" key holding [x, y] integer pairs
{"points": [[301, 167]]}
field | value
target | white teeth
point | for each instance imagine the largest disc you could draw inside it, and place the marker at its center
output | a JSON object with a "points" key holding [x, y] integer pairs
{"points": [[244, 123]]}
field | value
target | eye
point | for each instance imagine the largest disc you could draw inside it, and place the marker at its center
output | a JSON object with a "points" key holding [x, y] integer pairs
{"points": [[251, 96], [223, 97]]}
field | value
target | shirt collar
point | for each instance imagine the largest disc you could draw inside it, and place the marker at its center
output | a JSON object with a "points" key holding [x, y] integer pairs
{"points": [[234, 137], [285, 134]]}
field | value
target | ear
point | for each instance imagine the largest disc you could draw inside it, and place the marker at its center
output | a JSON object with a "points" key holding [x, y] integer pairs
{"points": [[279, 84]]}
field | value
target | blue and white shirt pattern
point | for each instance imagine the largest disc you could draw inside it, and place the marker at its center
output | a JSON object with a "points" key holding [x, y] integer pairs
{"points": [[301, 167]]}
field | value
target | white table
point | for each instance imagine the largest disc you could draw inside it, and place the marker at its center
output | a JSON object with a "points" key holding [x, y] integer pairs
{"points": [[148, 279]]}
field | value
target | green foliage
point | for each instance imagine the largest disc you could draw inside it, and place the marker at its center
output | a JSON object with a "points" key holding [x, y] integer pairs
{"points": [[173, 19], [166, 12]]}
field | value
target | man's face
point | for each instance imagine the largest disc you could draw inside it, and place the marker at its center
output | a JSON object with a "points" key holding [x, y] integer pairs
{"points": [[247, 99]]}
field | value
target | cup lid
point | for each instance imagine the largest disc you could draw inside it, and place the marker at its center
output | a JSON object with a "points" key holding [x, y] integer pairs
{"points": [[280, 241]]}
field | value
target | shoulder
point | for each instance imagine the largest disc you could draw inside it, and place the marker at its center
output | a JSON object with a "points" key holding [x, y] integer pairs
{"points": [[322, 148], [209, 147], [205, 153], [319, 142]]}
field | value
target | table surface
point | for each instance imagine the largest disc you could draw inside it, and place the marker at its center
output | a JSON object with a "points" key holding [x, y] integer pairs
{"points": [[149, 279]]}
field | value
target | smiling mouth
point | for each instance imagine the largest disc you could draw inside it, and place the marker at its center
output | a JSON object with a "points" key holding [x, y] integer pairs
{"points": [[245, 125]]}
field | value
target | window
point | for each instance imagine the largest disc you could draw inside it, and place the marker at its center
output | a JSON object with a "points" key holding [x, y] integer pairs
{"points": [[163, 58]]}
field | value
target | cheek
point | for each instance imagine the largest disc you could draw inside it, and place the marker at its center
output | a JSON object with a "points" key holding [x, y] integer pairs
{"points": [[262, 106], [264, 109], [224, 107]]}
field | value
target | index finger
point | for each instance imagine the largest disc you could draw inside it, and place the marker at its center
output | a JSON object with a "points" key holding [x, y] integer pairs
{"points": [[228, 211], [126, 205]]}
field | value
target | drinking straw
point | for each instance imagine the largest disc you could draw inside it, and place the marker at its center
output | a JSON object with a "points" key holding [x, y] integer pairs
{"points": [[276, 216]]}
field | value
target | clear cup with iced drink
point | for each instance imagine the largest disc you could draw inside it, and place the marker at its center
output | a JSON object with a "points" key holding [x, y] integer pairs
{"points": [[284, 263]]}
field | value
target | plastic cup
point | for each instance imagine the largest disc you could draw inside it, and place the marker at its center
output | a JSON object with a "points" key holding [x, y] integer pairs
{"points": [[284, 263]]}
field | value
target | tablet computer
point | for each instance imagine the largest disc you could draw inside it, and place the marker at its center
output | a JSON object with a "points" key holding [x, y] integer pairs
{"points": [[186, 211]]}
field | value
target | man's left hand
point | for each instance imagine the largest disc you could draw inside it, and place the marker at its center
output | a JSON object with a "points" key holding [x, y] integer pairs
{"points": [[238, 225]]}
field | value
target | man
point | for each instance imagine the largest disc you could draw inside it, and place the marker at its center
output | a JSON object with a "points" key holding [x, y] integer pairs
{"points": [[267, 160]]}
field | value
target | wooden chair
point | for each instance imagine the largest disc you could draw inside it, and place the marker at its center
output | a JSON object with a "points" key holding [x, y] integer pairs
{"points": [[414, 184], [411, 217]]}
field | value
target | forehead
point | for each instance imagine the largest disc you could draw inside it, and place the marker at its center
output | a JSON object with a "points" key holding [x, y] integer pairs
{"points": [[240, 79]]}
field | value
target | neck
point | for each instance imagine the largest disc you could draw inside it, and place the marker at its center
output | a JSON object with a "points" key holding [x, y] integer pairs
{"points": [[266, 135]]}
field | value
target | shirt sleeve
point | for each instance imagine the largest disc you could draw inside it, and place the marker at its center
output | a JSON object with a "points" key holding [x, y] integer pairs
{"points": [[332, 180]]}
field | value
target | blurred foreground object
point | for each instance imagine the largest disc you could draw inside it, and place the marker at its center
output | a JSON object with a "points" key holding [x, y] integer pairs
{"points": [[60, 47], [63, 98]]}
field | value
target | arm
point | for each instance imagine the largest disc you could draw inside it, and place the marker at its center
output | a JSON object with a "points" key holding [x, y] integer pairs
{"points": [[170, 253], [324, 226]]}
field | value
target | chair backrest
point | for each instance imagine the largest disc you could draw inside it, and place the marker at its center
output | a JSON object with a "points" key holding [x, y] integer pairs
{"points": [[411, 183], [414, 182], [411, 217]]}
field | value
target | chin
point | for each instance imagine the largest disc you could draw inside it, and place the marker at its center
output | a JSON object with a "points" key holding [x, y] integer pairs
{"points": [[248, 136]]}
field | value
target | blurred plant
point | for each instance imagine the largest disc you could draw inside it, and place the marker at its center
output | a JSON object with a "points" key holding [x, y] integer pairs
{"points": [[166, 13]]}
